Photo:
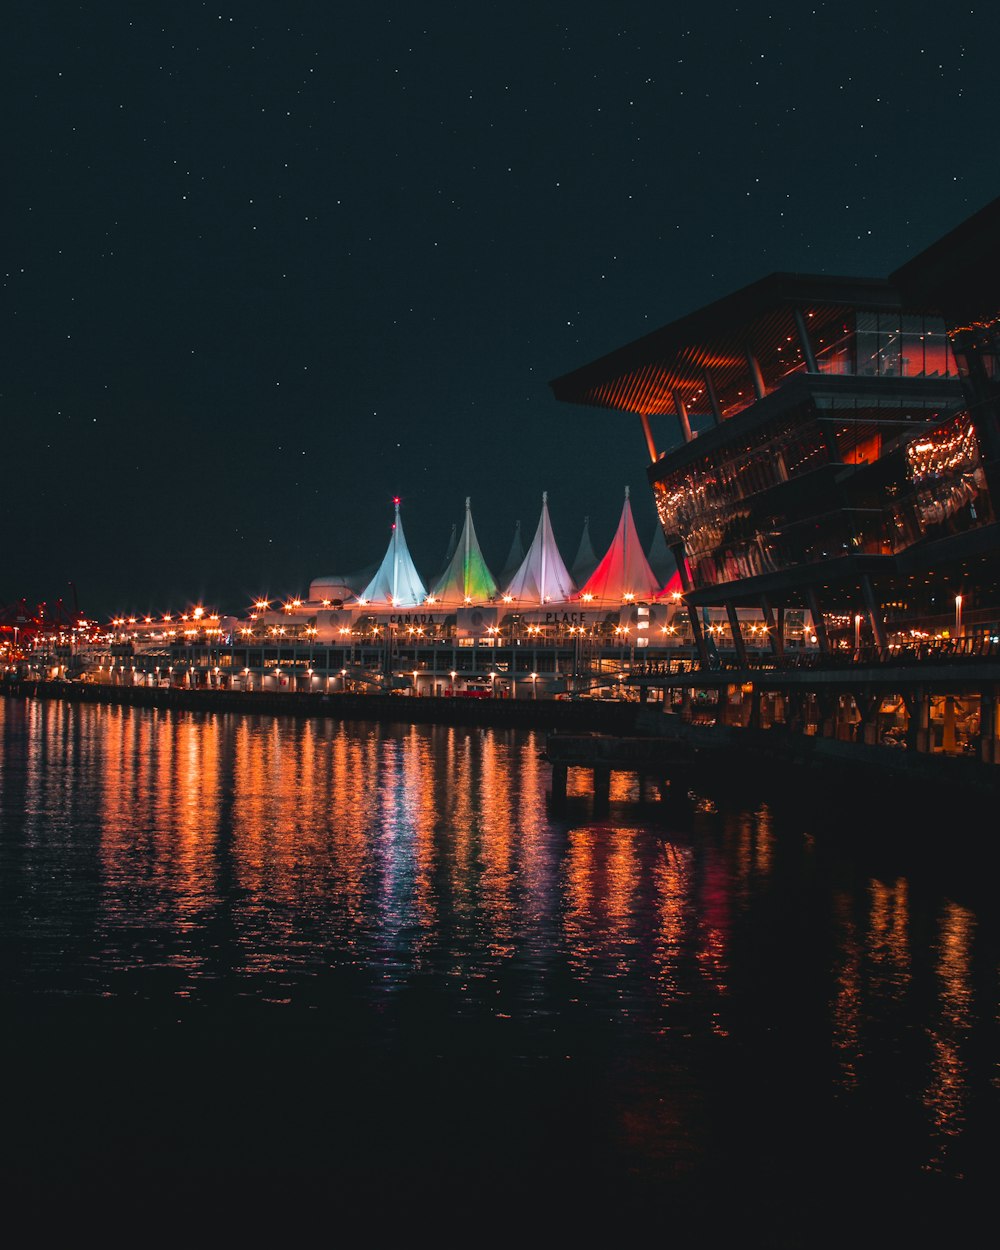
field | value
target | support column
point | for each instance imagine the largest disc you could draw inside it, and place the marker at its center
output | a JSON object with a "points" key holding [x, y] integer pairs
{"points": [[818, 623], [949, 745], [682, 416], [699, 636], [804, 341], [798, 709], [845, 721], [868, 706], [774, 635], [756, 377], [828, 707], [874, 616], [654, 455], [677, 550], [713, 398], [559, 774], [734, 625], [918, 733]]}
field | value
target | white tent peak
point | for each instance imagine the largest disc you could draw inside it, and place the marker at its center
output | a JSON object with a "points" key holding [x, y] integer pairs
{"points": [[542, 576], [624, 573], [396, 581]]}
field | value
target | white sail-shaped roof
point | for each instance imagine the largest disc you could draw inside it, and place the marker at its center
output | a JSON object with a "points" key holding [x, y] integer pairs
{"points": [[542, 577], [396, 582], [467, 579], [515, 557], [586, 557], [624, 573]]}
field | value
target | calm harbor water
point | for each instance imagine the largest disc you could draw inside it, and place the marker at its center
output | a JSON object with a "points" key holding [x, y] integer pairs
{"points": [[262, 962]]}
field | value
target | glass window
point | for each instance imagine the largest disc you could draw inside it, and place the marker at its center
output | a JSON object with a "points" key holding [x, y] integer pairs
{"points": [[912, 361], [867, 343], [938, 361]]}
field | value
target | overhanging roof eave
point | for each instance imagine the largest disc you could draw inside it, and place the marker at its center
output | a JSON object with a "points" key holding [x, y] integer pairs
{"points": [[718, 319]]}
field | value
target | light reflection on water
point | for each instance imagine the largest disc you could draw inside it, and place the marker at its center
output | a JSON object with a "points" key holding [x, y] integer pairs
{"points": [[721, 966]]}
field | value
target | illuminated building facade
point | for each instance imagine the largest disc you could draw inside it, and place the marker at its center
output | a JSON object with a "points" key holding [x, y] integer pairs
{"points": [[831, 446]]}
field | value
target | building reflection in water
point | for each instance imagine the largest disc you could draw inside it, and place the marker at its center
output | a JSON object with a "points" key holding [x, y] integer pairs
{"points": [[601, 874], [672, 878], [158, 790], [875, 990], [946, 1095], [162, 856], [873, 962], [846, 1007]]}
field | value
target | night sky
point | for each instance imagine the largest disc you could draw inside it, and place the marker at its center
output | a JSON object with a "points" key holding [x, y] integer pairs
{"points": [[268, 265]]}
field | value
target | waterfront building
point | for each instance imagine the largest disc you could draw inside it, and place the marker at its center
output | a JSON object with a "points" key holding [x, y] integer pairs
{"points": [[824, 454], [830, 446], [820, 437]]}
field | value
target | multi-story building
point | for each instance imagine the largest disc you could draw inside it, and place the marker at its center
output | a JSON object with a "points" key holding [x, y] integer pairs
{"points": [[830, 445]]}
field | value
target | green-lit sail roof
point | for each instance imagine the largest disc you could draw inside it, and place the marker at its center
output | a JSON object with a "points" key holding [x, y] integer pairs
{"points": [[467, 579]]}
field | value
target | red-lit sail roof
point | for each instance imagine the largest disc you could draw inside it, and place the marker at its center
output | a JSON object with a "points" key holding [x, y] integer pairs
{"points": [[624, 572]]}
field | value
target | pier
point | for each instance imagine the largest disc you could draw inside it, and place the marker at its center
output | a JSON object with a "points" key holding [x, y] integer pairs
{"points": [[664, 759]]}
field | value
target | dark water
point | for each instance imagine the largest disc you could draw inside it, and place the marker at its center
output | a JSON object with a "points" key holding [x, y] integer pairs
{"points": [[306, 971]]}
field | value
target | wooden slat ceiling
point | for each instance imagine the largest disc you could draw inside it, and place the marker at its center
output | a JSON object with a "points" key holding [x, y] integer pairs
{"points": [[643, 376]]}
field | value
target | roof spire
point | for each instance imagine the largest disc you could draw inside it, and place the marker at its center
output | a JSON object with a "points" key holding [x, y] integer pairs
{"points": [[542, 577], [467, 578], [624, 573], [397, 580]]}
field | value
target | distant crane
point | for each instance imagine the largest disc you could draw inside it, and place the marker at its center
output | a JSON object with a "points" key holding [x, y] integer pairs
{"points": [[21, 625]]}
